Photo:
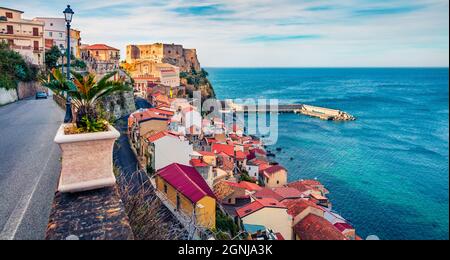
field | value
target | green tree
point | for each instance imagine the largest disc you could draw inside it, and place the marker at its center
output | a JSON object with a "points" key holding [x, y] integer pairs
{"points": [[86, 92], [51, 58], [13, 68]]}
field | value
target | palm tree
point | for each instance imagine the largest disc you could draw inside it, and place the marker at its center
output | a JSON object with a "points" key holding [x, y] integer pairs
{"points": [[86, 92]]}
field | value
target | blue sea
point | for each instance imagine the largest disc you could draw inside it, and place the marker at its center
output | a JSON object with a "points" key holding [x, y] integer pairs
{"points": [[388, 170]]}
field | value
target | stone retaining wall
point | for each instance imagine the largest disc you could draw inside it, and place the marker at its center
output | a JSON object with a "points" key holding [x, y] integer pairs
{"points": [[7, 96]]}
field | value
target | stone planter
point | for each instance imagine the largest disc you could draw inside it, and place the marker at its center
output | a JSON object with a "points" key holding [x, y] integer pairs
{"points": [[87, 160]]}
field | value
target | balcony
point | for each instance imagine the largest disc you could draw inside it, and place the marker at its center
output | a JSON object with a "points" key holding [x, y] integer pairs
{"points": [[21, 34]]}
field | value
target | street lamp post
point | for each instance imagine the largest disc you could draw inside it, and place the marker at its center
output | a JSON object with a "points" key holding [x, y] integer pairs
{"points": [[68, 13]]}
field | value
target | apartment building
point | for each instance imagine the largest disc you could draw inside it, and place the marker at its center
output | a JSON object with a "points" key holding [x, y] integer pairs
{"points": [[22, 35]]}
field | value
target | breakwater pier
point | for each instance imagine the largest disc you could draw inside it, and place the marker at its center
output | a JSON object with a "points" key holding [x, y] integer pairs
{"points": [[303, 109]]}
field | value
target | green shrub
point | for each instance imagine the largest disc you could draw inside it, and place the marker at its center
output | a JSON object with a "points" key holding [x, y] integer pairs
{"points": [[13, 68]]}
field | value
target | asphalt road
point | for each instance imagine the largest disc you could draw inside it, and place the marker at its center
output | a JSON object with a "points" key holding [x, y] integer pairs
{"points": [[29, 167]]}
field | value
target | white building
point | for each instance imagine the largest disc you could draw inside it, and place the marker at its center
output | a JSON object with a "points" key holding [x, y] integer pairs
{"points": [[55, 31], [192, 121], [165, 148]]}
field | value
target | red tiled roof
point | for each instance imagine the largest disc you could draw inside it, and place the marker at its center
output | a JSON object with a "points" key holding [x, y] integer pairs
{"points": [[267, 193], [101, 47], [186, 180], [250, 186], [299, 186], [257, 205], [162, 112], [244, 185], [240, 155], [295, 207], [206, 153], [227, 149], [198, 163], [343, 226], [311, 182], [274, 169], [288, 193], [279, 236], [313, 227], [156, 136], [144, 115]]}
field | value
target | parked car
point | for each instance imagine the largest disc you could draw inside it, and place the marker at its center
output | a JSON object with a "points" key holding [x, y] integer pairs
{"points": [[41, 94]]}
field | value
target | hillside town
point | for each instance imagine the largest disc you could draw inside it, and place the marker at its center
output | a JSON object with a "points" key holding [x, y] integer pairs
{"points": [[204, 171]]}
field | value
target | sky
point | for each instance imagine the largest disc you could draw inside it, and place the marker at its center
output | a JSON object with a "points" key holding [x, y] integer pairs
{"points": [[268, 33]]}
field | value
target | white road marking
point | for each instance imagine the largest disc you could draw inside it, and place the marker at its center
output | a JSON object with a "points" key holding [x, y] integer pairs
{"points": [[15, 219]]}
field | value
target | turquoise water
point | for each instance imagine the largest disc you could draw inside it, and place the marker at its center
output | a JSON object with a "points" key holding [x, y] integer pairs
{"points": [[388, 170]]}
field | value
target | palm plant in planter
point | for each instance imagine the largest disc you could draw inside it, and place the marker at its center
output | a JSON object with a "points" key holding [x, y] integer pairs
{"points": [[86, 144]]}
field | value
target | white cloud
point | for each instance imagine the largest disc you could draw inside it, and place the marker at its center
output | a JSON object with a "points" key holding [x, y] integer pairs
{"points": [[390, 33]]}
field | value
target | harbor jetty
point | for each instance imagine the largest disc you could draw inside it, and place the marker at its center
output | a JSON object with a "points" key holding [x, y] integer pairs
{"points": [[308, 110]]}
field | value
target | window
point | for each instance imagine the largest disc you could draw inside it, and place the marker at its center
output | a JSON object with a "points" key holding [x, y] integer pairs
{"points": [[165, 188], [50, 34], [278, 182], [96, 53], [35, 31], [60, 35], [178, 202], [9, 29], [9, 15], [51, 24]]}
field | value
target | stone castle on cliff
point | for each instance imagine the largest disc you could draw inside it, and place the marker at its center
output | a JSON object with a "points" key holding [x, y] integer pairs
{"points": [[174, 54]]}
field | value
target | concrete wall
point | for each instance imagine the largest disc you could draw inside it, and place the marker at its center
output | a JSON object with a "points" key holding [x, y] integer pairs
{"points": [[279, 220], [322, 110], [7, 96], [170, 150]]}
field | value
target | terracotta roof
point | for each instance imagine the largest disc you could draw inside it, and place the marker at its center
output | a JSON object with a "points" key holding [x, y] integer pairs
{"points": [[144, 115], [295, 207], [198, 163], [240, 155], [227, 149], [186, 180], [222, 190], [343, 226], [101, 47], [162, 112], [311, 182], [159, 135], [267, 193], [274, 169], [299, 186], [258, 162], [257, 205], [250, 186], [288, 193], [313, 227]]}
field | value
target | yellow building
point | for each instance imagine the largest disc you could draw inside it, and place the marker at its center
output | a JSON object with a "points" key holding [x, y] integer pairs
{"points": [[273, 177], [23, 36], [188, 193], [100, 58], [75, 42]]}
